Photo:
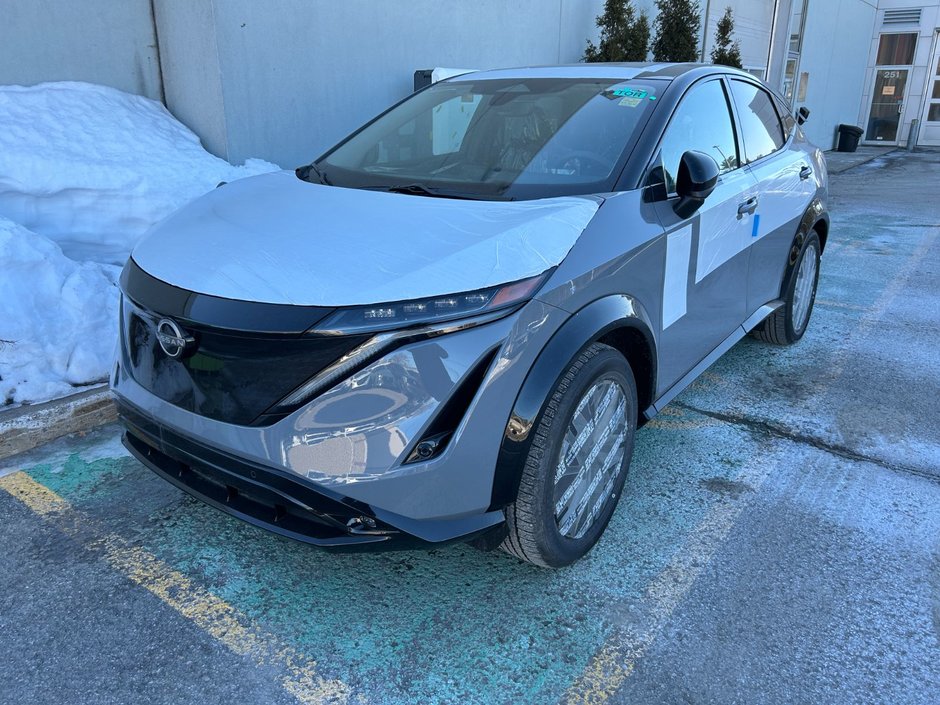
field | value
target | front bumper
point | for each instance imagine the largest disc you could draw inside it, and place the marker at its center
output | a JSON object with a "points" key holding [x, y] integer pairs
{"points": [[269, 498], [355, 440]]}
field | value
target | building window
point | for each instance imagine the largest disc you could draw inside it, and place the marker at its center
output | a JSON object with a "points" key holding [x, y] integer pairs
{"points": [[897, 49], [797, 24], [933, 109]]}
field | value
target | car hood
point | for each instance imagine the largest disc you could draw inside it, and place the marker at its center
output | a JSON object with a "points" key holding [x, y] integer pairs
{"points": [[277, 239]]}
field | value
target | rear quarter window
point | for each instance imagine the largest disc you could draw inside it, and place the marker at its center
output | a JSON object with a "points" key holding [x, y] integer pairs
{"points": [[787, 121]]}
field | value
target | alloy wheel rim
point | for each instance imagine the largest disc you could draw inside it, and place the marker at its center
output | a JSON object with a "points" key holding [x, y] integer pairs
{"points": [[803, 290], [591, 457]]}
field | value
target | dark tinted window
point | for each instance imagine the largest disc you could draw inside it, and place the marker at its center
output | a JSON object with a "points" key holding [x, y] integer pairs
{"points": [[760, 126], [701, 122], [896, 49]]}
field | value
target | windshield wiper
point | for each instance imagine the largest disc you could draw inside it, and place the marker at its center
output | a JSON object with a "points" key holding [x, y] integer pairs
{"points": [[419, 190], [304, 173], [422, 190]]}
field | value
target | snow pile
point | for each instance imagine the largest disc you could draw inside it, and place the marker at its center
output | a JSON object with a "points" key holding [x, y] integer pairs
{"points": [[58, 317], [93, 167], [85, 170]]}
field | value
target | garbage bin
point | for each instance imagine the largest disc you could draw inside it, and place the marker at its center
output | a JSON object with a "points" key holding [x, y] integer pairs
{"points": [[849, 135]]}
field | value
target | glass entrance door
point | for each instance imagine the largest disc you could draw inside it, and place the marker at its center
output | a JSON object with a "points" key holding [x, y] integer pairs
{"points": [[930, 130], [887, 103]]}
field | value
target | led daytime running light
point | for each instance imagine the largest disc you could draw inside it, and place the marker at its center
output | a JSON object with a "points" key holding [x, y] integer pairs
{"points": [[389, 316]]}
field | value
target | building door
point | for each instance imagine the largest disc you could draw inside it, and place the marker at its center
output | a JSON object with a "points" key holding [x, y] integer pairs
{"points": [[887, 104], [892, 68], [930, 130]]}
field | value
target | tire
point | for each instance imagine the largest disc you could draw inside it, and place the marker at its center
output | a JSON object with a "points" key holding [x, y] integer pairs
{"points": [[600, 378], [788, 323]]}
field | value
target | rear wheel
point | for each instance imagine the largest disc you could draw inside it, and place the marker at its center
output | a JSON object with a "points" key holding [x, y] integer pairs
{"points": [[576, 467], [788, 323]]}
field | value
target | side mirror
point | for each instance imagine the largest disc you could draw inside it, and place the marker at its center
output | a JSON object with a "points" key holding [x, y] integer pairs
{"points": [[697, 177], [802, 115]]}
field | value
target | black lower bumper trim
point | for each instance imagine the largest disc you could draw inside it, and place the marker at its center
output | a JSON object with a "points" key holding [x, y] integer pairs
{"points": [[250, 501], [268, 499]]}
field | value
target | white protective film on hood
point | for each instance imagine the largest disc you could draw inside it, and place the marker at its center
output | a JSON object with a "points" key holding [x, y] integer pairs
{"points": [[277, 239]]}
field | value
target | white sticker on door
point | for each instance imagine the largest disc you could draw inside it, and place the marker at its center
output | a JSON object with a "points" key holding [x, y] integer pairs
{"points": [[676, 280]]}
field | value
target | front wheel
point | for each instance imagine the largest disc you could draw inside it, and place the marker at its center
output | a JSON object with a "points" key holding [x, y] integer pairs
{"points": [[575, 470], [788, 323]]}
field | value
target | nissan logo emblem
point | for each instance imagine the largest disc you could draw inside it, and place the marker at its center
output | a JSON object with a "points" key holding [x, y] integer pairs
{"points": [[172, 338]]}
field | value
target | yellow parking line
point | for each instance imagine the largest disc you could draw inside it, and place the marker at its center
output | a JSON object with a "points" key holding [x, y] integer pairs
{"points": [[215, 616], [616, 659]]}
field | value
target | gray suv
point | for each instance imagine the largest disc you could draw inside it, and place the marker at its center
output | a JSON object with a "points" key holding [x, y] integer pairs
{"points": [[450, 325]]}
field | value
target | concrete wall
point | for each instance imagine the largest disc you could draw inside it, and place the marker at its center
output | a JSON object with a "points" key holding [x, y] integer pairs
{"points": [[293, 82], [102, 41], [192, 74], [835, 54]]}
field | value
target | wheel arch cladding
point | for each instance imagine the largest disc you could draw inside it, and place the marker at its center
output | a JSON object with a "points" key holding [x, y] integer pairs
{"points": [[618, 321], [637, 346], [821, 227], [815, 217]]}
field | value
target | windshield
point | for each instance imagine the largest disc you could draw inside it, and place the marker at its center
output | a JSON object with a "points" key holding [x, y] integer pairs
{"points": [[509, 138]]}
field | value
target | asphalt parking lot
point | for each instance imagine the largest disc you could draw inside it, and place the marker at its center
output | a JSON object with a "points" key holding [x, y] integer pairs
{"points": [[778, 542]]}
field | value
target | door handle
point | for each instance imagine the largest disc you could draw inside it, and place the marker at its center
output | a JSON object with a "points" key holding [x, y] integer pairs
{"points": [[805, 172], [748, 207]]}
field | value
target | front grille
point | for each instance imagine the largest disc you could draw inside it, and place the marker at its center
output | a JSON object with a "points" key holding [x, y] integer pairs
{"points": [[234, 375]]}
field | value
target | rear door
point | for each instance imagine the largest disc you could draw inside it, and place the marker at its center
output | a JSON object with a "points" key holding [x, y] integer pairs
{"points": [[705, 284], [786, 186]]}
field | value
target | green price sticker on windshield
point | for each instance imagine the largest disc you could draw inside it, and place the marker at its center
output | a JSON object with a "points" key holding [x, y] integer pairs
{"points": [[631, 93]]}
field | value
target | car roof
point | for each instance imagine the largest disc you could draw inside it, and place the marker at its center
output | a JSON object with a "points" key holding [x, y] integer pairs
{"points": [[625, 71]]}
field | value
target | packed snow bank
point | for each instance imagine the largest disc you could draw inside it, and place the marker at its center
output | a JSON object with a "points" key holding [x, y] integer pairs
{"points": [[58, 317], [92, 167], [84, 171]]}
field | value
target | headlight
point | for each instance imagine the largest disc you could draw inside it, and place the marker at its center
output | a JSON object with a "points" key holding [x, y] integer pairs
{"points": [[412, 320], [423, 311]]}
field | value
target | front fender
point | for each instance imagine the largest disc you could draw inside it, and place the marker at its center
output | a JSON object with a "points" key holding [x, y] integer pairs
{"points": [[591, 323]]}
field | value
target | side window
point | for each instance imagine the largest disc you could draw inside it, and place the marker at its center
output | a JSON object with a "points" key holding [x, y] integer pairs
{"points": [[760, 126], [701, 122]]}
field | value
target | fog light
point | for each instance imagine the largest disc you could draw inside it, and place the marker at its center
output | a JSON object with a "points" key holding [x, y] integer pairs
{"points": [[428, 448], [425, 449]]}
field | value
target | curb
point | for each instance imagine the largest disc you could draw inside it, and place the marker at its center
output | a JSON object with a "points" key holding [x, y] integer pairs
{"points": [[864, 160], [29, 426]]}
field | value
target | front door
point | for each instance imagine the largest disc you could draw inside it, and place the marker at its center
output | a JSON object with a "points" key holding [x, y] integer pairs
{"points": [[705, 284], [930, 130], [887, 104]]}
